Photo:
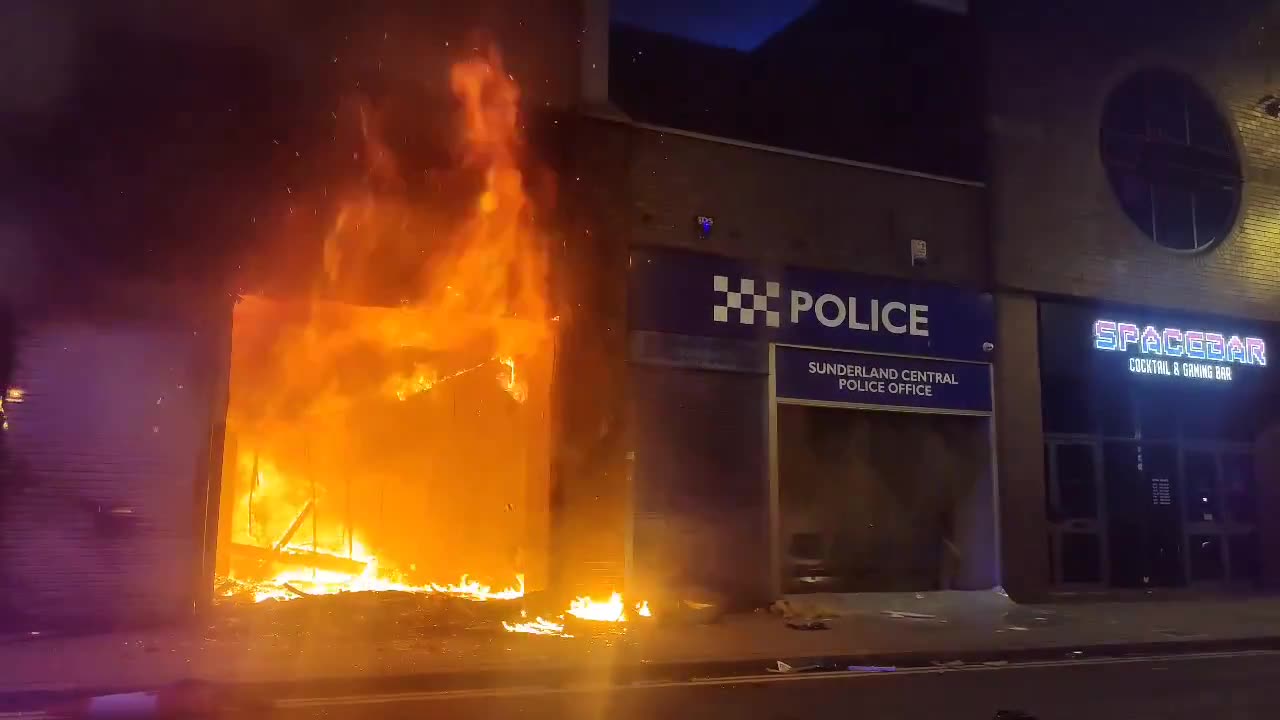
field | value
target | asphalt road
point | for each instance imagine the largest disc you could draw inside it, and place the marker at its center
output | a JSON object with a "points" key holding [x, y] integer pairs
{"points": [[1221, 686]]}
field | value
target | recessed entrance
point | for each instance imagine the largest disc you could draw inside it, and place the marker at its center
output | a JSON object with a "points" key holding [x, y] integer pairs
{"points": [[875, 501]]}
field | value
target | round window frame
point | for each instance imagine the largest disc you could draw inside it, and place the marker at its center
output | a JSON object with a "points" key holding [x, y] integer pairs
{"points": [[1221, 112]]}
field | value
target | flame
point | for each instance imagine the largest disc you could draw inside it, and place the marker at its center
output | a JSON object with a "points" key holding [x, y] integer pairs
{"points": [[536, 626], [611, 610], [365, 453]]}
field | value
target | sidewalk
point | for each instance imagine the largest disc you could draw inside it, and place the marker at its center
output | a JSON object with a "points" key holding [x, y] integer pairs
{"points": [[331, 650]]}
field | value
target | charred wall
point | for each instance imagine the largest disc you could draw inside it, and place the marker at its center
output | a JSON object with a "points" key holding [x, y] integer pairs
{"points": [[589, 466]]}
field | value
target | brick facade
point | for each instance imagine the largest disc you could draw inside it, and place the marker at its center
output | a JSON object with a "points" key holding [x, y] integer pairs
{"points": [[1056, 227], [801, 210], [700, 514]]}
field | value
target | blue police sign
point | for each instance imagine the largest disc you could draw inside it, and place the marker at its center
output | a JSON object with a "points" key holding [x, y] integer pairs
{"points": [[675, 291], [847, 378]]}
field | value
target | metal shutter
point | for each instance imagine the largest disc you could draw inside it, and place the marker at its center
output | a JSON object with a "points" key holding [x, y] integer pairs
{"points": [[701, 481], [97, 512]]}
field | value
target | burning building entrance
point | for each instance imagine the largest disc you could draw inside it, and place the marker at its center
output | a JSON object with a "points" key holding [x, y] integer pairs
{"points": [[361, 456], [401, 447]]}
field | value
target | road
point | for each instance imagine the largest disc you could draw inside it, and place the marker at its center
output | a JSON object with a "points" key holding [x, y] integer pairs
{"points": [[1219, 686]]}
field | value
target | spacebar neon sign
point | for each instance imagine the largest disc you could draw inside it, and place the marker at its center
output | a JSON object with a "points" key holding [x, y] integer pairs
{"points": [[1168, 349]]}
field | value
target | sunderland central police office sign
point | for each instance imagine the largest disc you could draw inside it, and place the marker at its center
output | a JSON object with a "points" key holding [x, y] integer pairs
{"points": [[832, 377], [692, 294]]}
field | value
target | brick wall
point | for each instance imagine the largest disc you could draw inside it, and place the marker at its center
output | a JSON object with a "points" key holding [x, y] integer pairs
{"points": [[797, 210], [625, 186], [1056, 225], [591, 493], [1019, 454]]}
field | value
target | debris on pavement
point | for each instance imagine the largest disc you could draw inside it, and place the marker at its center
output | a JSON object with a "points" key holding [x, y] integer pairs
{"points": [[787, 669], [808, 625], [910, 615], [872, 668]]}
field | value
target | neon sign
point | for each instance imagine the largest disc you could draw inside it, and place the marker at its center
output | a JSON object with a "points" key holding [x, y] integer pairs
{"points": [[1162, 343]]}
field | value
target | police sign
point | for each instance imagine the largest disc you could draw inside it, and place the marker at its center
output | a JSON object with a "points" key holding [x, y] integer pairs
{"points": [[674, 291]]}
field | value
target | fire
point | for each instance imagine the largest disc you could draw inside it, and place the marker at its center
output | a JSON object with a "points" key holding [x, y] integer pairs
{"points": [[536, 626], [611, 610], [397, 446]]}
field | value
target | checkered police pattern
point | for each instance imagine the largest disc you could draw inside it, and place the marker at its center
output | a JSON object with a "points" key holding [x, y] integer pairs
{"points": [[746, 311]]}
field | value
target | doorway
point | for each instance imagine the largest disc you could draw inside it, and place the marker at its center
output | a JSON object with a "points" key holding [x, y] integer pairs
{"points": [[884, 501], [1076, 539]]}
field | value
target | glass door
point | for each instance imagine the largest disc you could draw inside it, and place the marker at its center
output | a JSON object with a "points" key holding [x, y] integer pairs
{"points": [[1144, 528], [1220, 509], [1077, 543]]}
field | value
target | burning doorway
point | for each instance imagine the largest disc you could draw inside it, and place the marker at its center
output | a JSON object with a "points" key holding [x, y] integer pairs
{"points": [[401, 447], [380, 466]]}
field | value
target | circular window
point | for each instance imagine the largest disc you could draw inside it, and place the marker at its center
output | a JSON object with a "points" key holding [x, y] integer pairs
{"points": [[1170, 160]]}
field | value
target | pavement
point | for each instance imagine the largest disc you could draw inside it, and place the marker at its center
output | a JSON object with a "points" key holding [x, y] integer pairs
{"points": [[1237, 686], [342, 651]]}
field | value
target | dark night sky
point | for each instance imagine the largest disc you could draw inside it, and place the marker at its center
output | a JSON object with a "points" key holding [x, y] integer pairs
{"points": [[742, 24]]}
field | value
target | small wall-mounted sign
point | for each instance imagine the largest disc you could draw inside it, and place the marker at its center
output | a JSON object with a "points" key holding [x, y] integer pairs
{"points": [[919, 251]]}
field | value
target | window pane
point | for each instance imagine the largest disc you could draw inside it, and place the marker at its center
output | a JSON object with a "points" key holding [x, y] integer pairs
{"points": [[1081, 558], [1166, 109], [1116, 410], [1238, 487], [1206, 557], [1178, 177], [1134, 194], [1202, 486], [1076, 484], [1173, 218], [1245, 563], [1125, 110], [1207, 129], [1214, 213], [1157, 414], [1066, 407], [1211, 418]]}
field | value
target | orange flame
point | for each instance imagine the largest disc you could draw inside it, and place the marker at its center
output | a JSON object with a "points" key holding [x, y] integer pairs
{"points": [[365, 451]]}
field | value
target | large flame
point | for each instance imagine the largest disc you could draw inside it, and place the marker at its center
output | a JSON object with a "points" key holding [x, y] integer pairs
{"points": [[396, 448], [400, 448]]}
